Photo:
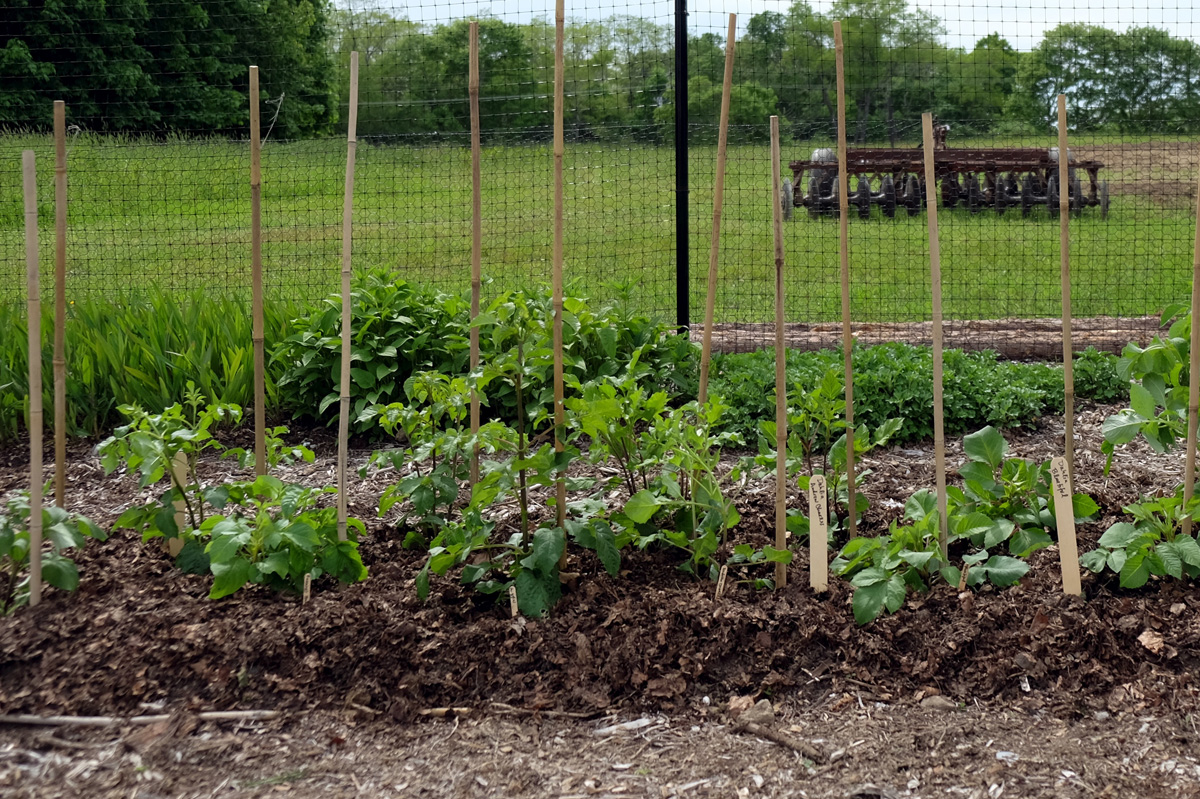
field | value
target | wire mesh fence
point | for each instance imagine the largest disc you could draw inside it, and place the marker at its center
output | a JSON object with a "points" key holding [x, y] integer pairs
{"points": [[159, 162]]}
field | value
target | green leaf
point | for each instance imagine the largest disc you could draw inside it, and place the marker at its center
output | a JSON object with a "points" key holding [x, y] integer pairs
{"points": [[642, 506], [920, 504], [986, 446], [1188, 549], [998, 532], [1003, 570], [773, 555], [1119, 535], [533, 597], [423, 582], [1136, 570], [1141, 401], [606, 547], [230, 576], [192, 559], [1171, 560], [548, 544], [868, 602], [59, 571], [1083, 507], [1094, 561], [1028, 540], [275, 563], [1122, 427]]}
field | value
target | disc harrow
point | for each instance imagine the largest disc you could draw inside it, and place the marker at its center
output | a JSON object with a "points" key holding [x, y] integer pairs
{"points": [[977, 179]]}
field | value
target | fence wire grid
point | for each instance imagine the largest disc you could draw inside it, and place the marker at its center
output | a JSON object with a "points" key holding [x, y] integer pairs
{"points": [[158, 154]]}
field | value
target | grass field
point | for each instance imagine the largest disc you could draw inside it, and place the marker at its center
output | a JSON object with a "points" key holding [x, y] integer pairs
{"points": [[177, 214]]}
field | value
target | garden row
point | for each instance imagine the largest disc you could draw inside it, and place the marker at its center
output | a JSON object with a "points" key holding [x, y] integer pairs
{"points": [[662, 485]]}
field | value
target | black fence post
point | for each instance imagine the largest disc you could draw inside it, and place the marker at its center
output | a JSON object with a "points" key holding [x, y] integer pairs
{"points": [[682, 219]]}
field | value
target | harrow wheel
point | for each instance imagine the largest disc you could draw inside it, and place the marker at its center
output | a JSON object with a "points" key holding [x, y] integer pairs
{"points": [[888, 204], [1052, 196], [1027, 195], [974, 194], [862, 197], [912, 195], [1104, 199], [950, 191], [814, 197]]}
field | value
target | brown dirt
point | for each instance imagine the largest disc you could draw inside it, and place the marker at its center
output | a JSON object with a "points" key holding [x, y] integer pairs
{"points": [[138, 633]]}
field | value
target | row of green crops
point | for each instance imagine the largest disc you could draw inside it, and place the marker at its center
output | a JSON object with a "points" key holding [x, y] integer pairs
{"points": [[659, 484], [144, 350]]}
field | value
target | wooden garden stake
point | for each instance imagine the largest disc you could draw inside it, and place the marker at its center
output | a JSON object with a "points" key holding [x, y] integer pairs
{"points": [[781, 427], [1189, 474], [1064, 513], [347, 221], [476, 234], [935, 283], [33, 289], [560, 487], [1064, 247], [60, 303], [818, 533], [714, 247], [260, 388], [844, 236]]}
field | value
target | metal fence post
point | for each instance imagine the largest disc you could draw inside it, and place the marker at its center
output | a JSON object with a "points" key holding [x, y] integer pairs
{"points": [[682, 218]]}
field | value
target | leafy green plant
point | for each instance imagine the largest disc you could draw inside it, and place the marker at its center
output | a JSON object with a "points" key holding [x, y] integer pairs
{"points": [[885, 568], [746, 555], [63, 532], [1006, 500], [1153, 544], [816, 444], [895, 380], [1158, 395], [274, 534], [439, 449], [684, 505], [398, 329]]}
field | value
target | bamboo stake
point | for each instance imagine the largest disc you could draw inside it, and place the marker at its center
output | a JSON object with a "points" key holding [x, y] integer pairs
{"points": [[1064, 246], [560, 488], [60, 303], [844, 236], [260, 388], [476, 234], [347, 230], [35, 377], [935, 283], [780, 361], [1189, 477], [714, 247]]}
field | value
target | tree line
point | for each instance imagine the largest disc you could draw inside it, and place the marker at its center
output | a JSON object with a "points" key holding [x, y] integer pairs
{"points": [[161, 66]]}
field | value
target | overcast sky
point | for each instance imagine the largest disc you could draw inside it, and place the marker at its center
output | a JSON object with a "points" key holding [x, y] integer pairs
{"points": [[966, 21]]}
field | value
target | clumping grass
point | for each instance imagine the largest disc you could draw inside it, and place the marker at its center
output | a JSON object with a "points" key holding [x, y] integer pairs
{"points": [[176, 214]]}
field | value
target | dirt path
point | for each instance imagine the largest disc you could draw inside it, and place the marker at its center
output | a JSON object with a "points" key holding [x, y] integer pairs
{"points": [[975, 752]]}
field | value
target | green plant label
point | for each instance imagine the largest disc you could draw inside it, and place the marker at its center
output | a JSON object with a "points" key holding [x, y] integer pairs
{"points": [[818, 534], [1068, 549]]}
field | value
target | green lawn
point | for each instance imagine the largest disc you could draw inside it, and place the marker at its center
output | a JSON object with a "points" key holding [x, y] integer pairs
{"points": [[177, 214]]}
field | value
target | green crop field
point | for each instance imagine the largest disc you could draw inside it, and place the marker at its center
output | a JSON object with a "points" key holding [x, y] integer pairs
{"points": [[177, 214]]}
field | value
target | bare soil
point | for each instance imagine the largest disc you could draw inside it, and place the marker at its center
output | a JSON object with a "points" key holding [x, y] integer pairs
{"points": [[1053, 696]]}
